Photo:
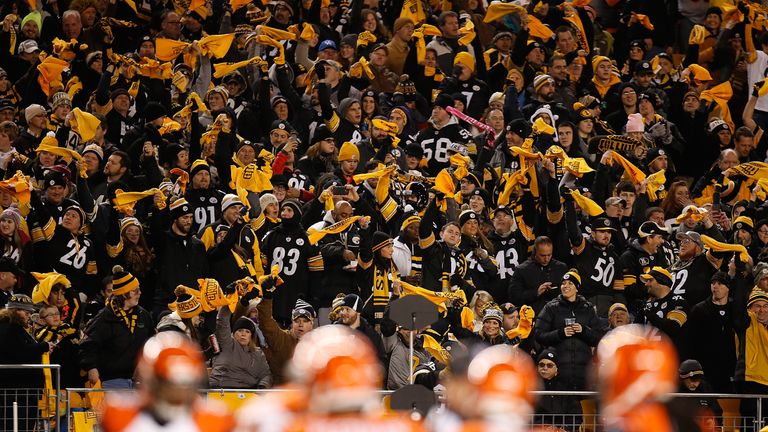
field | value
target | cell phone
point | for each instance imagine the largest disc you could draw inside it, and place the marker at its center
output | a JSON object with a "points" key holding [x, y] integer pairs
{"points": [[339, 190], [570, 321]]}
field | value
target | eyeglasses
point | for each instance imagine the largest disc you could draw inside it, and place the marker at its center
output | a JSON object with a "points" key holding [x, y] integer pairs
{"points": [[178, 23], [763, 231], [52, 314], [546, 365]]}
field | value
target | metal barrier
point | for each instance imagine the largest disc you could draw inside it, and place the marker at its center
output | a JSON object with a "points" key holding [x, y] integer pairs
{"points": [[585, 420], [32, 409], [589, 420]]}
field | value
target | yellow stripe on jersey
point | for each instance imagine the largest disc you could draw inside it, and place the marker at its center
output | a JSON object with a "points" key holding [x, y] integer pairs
{"points": [[333, 122], [315, 263], [629, 280], [49, 229], [427, 242], [678, 316], [554, 218], [388, 208], [37, 235], [578, 249], [258, 222], [618, 285]]}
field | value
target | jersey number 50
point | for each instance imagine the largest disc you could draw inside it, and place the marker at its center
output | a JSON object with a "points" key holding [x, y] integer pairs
{"points": [[605, 272]]}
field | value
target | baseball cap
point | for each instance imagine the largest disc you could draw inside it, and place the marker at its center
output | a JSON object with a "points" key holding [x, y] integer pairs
{"points": [[327, 44], [28, 46], [9, 265], [692, 236], [616, 201], [6, 104], [20, 301], [617, 306], [602, 224], [654, 154], [643, 67], [661, 275]]}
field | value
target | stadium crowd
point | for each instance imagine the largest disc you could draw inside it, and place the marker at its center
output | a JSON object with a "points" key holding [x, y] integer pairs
{"points": [[243, 172]]}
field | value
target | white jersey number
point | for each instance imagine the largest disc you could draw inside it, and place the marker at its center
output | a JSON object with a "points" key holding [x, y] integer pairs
{"points": [[605, 272], [286, 261], [680, 277], [441, 149], [76, 255]]}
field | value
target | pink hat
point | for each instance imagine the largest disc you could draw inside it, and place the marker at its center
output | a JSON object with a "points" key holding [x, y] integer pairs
{"points": [[635, 123]]}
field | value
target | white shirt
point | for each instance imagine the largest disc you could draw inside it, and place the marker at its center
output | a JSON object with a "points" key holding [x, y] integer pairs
{"points": [[401, 256], [756, 72]]}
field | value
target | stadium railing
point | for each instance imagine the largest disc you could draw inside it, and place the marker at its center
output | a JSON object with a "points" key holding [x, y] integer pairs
{"points": [[83, 418], [33, 409]]}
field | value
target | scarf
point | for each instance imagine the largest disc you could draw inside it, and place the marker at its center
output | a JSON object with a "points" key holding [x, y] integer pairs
{"points": [[315, 235], [603, 88], [139, 259], [129, 317], [381, 289], [55, 334]]}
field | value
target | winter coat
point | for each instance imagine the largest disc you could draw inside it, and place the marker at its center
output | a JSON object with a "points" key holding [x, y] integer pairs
{"points": [[19, 347], [528, 276], [398, 370], [551, 409], [575, 352], [280, 343], [712, 341], [180, 261], [237, 366], [110, 347]]}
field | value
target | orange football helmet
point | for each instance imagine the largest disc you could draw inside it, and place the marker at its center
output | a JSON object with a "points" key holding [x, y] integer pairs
{"points": [[503, 378], [636, 364], [339, 368], [171, 357]]}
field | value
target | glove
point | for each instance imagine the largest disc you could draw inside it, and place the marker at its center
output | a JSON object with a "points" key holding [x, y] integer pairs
{"points": [[255, 204], [387, 327], [439, 196], [565, 192], [744, 9], [250, 295], [456, 280], [453, 316], [268, 287]]}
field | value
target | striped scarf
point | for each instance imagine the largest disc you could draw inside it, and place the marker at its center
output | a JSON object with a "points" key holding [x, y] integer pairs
{"points": [[129, 316]]}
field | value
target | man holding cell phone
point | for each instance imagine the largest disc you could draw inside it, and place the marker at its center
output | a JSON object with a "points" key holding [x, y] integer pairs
{"points": [[569, 324]]}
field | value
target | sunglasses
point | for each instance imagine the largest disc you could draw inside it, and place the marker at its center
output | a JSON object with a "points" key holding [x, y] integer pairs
{"points": [[546, 365]]}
